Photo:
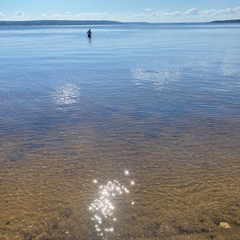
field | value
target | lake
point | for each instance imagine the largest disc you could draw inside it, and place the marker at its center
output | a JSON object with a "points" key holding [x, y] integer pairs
{"points": [[132, 134]]}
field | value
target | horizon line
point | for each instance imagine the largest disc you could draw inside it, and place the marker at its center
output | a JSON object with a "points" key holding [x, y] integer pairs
{"points": [[114, 21]]}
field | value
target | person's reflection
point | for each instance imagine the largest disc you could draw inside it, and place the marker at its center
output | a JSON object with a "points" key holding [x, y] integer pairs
{"points": [[90, 41]]}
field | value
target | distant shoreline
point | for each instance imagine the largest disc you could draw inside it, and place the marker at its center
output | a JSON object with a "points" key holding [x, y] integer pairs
{"points": [[97, 22], [226, 21], [57, 22]]}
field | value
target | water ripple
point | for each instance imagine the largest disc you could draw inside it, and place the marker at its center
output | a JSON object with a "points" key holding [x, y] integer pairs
{"points": [[157, 78], [66, 94]]}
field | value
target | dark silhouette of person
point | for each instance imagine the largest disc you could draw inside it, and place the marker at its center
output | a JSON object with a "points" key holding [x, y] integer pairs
{"points": [[89, 33]]}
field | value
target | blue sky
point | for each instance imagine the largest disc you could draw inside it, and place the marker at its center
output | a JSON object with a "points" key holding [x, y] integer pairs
{"points": [[121, 10]]}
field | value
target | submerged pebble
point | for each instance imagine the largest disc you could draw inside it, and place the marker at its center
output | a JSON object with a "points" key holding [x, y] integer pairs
{"points": [[225, 225]]}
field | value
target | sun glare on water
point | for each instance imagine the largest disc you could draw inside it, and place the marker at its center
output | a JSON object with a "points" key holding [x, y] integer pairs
{"points": [[103, 208]]}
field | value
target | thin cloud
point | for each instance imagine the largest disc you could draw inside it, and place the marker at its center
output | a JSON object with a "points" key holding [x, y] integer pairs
{"points": [[176, 14], [19, 14], [227, 11], [160, 14], [90, 14], [69, 15], [231, 10], [190, 13], [57, 15]]}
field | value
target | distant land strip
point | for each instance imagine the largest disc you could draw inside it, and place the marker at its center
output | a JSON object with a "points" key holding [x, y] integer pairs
{"points": [[91, 22], [58, 22], [226, 21]]}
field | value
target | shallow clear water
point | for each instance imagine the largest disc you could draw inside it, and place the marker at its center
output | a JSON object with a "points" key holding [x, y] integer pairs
{"points": [[161, 101]]}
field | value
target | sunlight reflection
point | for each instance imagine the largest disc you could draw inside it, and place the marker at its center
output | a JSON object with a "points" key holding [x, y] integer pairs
{"points": [[229, 67], [103, 208], [156, 78], [66, 94]]}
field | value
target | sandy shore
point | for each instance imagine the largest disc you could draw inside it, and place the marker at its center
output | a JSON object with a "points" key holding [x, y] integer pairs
{"points": [[179, 194]]}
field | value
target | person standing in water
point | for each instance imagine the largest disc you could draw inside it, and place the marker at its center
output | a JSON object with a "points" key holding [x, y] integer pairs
{"points": [[89, 33]]}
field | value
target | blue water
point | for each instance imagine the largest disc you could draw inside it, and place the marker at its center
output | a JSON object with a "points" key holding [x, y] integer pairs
{"points": [[48, 74], [161, 101]]}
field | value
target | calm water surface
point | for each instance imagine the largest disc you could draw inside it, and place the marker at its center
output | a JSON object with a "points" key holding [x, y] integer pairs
{"points": [[133, 134]]}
